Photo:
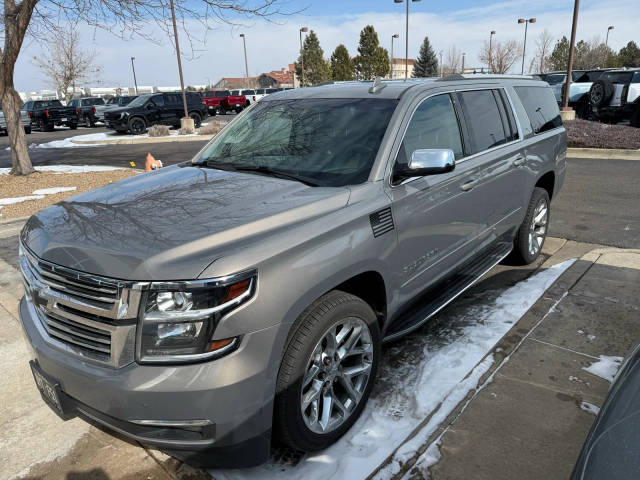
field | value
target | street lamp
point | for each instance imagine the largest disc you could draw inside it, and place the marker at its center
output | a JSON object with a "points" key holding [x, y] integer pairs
{"points": [[395, 35], [303, 29], [135, 82], [606, 43], [441, 66], [526, 22], [463, 54], [406, 52], [493, 32], [567, 85], [246, 66]]}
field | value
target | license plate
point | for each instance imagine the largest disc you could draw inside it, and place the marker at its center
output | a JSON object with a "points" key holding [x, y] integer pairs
{"points": [[63, 119], [49, 390]]}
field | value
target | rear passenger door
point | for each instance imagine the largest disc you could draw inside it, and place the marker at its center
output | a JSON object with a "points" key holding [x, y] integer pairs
{"points": [[169, 112], [496, 159]]}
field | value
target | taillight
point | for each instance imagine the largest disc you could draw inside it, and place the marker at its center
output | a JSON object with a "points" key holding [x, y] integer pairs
{"points": [[93, 109], [46, 112], [29, 114], [77, 111]]}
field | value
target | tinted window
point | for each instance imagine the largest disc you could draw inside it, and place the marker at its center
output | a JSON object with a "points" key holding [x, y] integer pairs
{"points": [[260, 91], [158, 100], [541, 107], [234, 92], [271, 90], [332, 141], [433, 125], [248, 92], [554, 78], [618, 77], [207, 94], [483, 119], [636, 77], [72, 103], [222, 93]]}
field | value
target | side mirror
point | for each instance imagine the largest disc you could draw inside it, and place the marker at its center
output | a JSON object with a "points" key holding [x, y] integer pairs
{"points": [[428, 161]]}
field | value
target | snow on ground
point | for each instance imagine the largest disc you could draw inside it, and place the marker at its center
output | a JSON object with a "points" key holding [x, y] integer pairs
{"points": [[426, 373], [52, 190], [590, 407], [97, 137], [605, 368], [66, 169]]}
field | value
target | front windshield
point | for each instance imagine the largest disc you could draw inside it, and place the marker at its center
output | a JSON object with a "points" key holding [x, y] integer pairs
{"points": [[140, 101], [328, 142]]}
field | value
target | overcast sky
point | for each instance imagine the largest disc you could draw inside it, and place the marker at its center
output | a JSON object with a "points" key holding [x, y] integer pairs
{"points": [[271, 46]]}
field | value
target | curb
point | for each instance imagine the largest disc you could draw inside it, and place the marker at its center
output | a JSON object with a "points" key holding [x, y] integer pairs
{"points": [[134, 141], [603, 153]]}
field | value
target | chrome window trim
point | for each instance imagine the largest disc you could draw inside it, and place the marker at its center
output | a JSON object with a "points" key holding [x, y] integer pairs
{"points": [[463, 159]]}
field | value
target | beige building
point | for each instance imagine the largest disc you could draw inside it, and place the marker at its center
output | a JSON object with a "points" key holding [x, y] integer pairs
{"points": [[397, 68]]}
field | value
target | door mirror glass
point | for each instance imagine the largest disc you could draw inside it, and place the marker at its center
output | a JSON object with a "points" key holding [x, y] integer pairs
{"points": [[429, 161]]}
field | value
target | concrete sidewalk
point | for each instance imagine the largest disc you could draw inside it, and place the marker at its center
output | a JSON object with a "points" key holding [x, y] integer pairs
{"points": [[531, 418]]}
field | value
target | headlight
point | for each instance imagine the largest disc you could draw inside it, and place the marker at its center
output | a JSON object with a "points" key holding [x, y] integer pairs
{"points": [[180, 318]]}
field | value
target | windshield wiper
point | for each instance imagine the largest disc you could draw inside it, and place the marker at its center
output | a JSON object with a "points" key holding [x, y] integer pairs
{"points": [[278, 173]]}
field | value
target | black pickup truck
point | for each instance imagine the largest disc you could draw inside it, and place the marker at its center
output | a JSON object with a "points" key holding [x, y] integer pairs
{"points": [[47, 114], [89, 110]]}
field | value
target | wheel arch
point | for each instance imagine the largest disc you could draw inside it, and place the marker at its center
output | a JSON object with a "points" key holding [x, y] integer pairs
{"points": [[547, 181]]}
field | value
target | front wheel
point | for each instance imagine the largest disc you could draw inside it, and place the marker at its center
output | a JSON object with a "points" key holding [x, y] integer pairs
{"points": [[137, 126], [533, 231], [327, 371], [73, 126], [197, 119]]}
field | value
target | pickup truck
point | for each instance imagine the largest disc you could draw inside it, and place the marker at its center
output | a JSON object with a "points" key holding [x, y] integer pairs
{"points": [[120, 101], [24, 119], [47, 114], [89, 110], [222, 101], [243, 296]]}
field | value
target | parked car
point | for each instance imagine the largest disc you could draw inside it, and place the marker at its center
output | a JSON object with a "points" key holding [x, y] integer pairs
{"points": [[155, 108], [248, 93], [24, 120], [615, 96], [233, 102], [611, 448], [243, 295], [120, 101], [581, 81], [47, 114], [213, 101], [89, 110]]}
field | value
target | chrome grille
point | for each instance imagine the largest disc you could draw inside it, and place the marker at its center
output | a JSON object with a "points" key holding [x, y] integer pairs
{"points": [[87, 315]]}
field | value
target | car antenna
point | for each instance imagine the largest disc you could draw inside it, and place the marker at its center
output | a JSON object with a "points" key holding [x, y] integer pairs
{"points": [[377, 85]]}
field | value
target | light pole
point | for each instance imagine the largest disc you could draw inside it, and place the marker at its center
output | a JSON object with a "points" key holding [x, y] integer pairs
{"points": [[462, 71], [246, 65], [175, 34], [441, 66], [406, 52], [606, 42], [574, 27], [303, 29], [526, 22], [493, 32], [395, 35], [135, 82]]}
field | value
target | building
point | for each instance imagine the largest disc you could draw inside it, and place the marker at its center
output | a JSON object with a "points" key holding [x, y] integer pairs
{"points": [[273, 79], [398, 68]]}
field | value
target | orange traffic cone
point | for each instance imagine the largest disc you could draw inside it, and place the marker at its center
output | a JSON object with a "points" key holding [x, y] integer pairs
{"points": [[151, 163]]}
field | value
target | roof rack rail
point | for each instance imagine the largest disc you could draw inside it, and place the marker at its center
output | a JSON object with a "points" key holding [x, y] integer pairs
{"points": [[451, 76]]}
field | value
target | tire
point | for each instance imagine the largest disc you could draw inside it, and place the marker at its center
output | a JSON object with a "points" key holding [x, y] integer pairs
{"points": [[88, 121], [197, 119], [137, 126], [600, 93], [306, 353], [27, 130], [582, 109], [533, 232], [73, 126], [635, 117]]}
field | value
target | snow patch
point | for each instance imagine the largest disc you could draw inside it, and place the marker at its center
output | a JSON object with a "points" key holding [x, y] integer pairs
{"points": [[12, 200], [605, 368], [590, 407], [52, 190], [449, 367], [67, 169]]}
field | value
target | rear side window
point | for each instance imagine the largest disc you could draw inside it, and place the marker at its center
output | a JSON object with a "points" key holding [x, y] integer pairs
{"points": [[271, 90], [618, 77], [248, 92], [541, 107], [434, 124], [483, 119]]}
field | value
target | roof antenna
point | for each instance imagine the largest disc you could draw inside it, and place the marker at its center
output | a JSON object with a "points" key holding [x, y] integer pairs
{"points": [[377, 85]]}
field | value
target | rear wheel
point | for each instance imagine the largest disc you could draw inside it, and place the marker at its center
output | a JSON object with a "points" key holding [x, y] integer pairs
{"points": [[48, 127], [327, 371], [533, 231], [197, 119], [137, 126]]}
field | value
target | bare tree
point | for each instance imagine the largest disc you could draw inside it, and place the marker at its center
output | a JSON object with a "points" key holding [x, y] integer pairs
{"points": [[452, 61], [503, 55], [544, 44], [65, 64], [125, 18]]}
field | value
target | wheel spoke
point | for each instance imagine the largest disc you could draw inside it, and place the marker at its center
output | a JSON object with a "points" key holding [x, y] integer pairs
{"points": [[310, 375], [312, 394], [327, 407], [350, 343], [540, 216], [349, 388]]}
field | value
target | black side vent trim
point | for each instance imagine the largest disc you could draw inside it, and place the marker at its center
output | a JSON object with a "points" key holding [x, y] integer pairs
{"points": [[381, 222]]}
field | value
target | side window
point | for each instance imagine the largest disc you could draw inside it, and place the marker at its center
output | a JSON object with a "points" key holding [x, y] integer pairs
{"points": [[541, 107], [483, 119], [158, 100], [433, 125]]}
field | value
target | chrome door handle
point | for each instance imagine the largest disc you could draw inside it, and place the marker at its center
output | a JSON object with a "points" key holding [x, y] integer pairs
{"points": [[468, 185], [519, 161]]}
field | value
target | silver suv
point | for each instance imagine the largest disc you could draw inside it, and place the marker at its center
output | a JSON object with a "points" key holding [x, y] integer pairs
{"points": [[209, 306]]}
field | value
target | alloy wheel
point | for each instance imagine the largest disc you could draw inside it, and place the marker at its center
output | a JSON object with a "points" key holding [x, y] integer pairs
{"points": [[137, 127], [337, 375], [538, 228]]}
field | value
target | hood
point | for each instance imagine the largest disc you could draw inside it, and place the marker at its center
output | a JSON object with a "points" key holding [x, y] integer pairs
{"points": [[117, 109], [171, 224]]}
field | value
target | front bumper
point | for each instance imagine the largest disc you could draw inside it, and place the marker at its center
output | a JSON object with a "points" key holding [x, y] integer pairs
{"points": [[216, 413], [116, 124]]}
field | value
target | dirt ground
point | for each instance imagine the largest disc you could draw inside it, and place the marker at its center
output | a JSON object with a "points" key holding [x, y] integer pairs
{"points": [[587, 134], [13, 186]]}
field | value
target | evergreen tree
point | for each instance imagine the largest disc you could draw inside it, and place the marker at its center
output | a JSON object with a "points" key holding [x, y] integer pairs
{"points": [[372, 60], [629, 55], [316, 69], [426, 64], [560, 55], [342, 67]]}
